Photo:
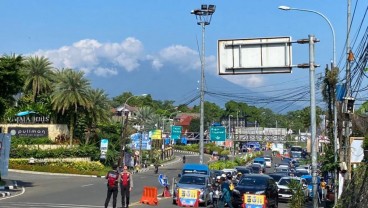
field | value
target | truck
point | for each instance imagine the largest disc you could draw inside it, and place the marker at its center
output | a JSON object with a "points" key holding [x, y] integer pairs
{"points": [[279, 147]]}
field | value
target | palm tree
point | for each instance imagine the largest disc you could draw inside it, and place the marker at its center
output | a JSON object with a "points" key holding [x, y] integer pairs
{"points": [[145, 116], [71, 95], [39, 73], [98, 111]]}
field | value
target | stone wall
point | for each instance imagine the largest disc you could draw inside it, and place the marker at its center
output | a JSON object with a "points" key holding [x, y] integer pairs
{"points": [[53, 129]]}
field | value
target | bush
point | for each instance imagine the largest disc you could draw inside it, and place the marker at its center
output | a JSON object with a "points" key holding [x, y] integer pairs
{"points": [[77, 167], [15, 141]]}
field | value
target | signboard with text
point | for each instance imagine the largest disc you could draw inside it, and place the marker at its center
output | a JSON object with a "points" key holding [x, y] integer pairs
{"points": [[29, 131], [217, 133], [137, 139], [155, 134], [188, 197], [254, 201], [176, 132]]}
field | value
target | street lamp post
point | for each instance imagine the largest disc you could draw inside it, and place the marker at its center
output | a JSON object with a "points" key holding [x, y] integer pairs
{"points": [[124, 127], [203, 16], [333, 65]]}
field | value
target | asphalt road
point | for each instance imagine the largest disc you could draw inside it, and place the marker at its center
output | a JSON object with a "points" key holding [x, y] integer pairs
{"points": [[61, 191], [51, 191]]}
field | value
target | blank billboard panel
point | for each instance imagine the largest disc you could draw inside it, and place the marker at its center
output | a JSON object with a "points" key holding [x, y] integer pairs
{"points": [[254, 56]]}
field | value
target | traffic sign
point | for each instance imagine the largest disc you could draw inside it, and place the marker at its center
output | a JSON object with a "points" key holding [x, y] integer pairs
{"points": [[217, 133], [176, 132]]}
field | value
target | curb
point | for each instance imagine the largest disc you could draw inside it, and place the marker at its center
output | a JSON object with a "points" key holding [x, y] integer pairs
{"points": [[4, 194], [187, 152]]}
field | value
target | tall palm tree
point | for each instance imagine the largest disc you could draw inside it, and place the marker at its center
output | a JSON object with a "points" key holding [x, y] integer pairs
{"points": [[70, 95], [144, 117], [39, 73], [99, 110]]}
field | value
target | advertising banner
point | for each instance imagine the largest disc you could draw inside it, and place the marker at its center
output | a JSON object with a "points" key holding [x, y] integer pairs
{"points": [[4, 153], [136, 141], [254, 201], [188, 197], [103, 148], [155, 134]]}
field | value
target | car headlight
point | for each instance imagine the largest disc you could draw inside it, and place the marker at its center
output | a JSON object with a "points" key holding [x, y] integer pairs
{"points": [[260, 192]]}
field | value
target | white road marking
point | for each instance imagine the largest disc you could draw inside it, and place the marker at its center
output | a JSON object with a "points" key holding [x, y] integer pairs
{"points": [[87, 185], [11, 196]]}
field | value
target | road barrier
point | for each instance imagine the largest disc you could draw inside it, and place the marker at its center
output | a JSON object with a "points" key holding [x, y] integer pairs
{"points": [[149, 196]]}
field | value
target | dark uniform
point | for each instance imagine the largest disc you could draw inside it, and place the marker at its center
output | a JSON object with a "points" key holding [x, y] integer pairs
{"points": [[112, 186]]}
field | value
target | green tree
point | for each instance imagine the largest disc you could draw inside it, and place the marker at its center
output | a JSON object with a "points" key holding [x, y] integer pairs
{"points": [[39, 76], [99, 110], [11, 80], [71, 95]]}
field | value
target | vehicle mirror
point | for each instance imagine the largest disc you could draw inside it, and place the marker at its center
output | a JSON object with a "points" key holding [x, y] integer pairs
{"points": [[179, 175]]}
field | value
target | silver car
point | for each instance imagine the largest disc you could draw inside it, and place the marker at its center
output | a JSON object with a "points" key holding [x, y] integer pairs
{"points": [[194, 181]]}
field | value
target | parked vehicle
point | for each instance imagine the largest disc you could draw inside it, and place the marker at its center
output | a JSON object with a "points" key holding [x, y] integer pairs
{"points": [[256, 184], [194, 181], [285, 193], [256, 168]]}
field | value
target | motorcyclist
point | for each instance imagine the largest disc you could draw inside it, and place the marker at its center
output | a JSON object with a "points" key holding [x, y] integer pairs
{"points": [[216, 192]]}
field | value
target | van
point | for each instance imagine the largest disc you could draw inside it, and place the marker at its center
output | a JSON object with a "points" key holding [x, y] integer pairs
{"points": [[261, 161], [195, 168]]}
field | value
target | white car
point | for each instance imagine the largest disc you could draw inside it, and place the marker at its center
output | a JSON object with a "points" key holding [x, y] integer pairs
{"points": [[285, 193], [268, 162]]}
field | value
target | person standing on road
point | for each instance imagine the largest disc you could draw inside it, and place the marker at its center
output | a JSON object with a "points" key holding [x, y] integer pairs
{"points": [[126, 186], [112, 186]]}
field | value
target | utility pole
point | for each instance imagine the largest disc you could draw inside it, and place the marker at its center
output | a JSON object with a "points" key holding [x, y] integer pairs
{"points": [[348, 95]]}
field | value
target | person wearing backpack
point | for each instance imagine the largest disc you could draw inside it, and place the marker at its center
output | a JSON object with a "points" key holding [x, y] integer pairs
{"points": [[126, 186], [112, 186]]}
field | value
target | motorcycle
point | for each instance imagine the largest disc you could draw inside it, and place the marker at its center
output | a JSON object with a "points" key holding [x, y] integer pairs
{"points": [[216, 195]]}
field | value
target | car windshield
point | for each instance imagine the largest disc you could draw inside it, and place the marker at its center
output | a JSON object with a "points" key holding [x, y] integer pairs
{"points": [[256, 169], [253, 181], [192, 180], [244, 171], [286, 181], [258, 161], [267, 159], [277, 177]]}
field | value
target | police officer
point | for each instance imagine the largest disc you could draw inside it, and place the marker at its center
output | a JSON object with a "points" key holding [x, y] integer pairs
{"points": [[126, 186], [112, 186]]}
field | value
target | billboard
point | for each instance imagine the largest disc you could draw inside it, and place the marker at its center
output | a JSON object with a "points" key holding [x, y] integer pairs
{"points": [[155, 134], [136, 141], [254, 56], [29, 131]]}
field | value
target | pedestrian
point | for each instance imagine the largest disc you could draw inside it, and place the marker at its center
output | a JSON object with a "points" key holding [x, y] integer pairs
{"points": [[126, 186], [112, 186], [323, 185], [184, 159]]}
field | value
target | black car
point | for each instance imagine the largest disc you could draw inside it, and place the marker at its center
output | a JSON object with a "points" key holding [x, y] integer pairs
{"points": [[244, 170], [256, 184], [278, 175]]}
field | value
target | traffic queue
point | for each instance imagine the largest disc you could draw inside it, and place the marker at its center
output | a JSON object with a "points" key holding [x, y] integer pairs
{"points": [[253, 185]]}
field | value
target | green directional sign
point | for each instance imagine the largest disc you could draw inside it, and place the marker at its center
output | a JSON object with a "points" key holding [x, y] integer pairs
{"points": [[218, 133], [176, 132]]}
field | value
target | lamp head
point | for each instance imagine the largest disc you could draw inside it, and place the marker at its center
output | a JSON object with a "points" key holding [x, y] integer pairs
{"points": [[284, 8]]}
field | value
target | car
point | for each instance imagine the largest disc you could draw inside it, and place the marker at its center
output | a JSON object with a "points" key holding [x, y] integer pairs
{"points": [[230, 171], [285, 193], [256, 168], [259, 184], [300, 172], [223, 157], [244, 170], [307, 167], [215, 173], [268, 162], [282, 169], [195, 168], [277, 176], [194, 181], [261, 161]]}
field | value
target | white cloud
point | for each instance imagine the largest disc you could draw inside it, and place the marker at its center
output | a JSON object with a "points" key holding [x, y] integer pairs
{"points": [[90, 55], [250, 81]]}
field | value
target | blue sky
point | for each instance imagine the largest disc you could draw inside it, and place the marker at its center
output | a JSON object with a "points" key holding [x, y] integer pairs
{"points": [[152, 46]]}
